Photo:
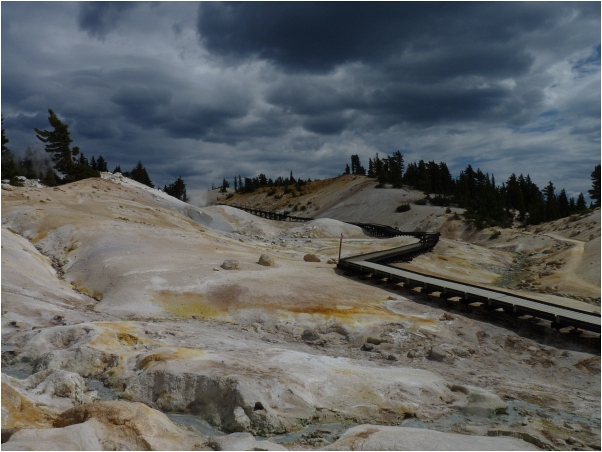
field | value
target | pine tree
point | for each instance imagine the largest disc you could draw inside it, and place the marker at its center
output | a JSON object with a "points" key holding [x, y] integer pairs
{"points": [[177, 189], [9, 165], [552, 211], [50, 178], [563, 204], [57, 143], [117, 169], [347, 169], [225, 185], [139, 174], [82, 159], [581, 206], [101, 164], [4, 139], [594, 193], [93, 164]]}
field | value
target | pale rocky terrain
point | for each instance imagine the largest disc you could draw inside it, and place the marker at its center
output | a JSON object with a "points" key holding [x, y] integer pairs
{"points": [[122, 329]]}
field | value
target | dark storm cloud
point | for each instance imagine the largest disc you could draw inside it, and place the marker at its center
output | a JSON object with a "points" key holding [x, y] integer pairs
{"points": [[202, 121], [244, 88], [325, 124], [414, 62], [99, 18], [317, 37], [143, 105]]}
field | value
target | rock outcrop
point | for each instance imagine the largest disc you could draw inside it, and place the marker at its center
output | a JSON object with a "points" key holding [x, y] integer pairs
{"points": [[379, 437]]}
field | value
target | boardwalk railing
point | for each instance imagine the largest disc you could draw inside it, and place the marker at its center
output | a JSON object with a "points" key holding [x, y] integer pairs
{"points": [[269, 215], [377, 266]]}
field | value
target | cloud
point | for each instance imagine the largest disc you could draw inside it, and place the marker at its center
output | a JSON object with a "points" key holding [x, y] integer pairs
{"points": [[437, 39], [215, 89], [97, 19], [146, 106]]}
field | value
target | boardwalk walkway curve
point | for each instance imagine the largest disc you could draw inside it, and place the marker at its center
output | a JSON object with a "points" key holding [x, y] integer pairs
{"points": [[376, 265]]}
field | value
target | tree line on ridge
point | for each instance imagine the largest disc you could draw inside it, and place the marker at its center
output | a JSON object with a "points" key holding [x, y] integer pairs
{"points": [[70, 164]]}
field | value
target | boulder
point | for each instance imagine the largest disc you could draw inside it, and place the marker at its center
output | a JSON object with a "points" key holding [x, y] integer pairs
{"points": [[123, 425], [368, 347], [311, 337], [436, 353], [84, 436], [266, 260], [311, 258], [380, 437], [480, 402], [59, 383], [241, 421], [21, 412], [230, 264], [242, 441]]}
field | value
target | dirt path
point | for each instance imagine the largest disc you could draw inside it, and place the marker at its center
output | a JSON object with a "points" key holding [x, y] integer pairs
{"points": [[573, 257]]}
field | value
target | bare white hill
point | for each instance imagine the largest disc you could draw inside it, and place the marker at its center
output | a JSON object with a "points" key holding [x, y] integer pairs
{"points": [[106, 280]]}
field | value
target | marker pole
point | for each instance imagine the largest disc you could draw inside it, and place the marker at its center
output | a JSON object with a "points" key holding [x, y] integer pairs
{"points": [[340, 247]]}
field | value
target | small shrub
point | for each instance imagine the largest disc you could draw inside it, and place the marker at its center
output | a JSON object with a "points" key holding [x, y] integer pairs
{"points": [[403, 208], [421, 202], [448, 210], [16, 182], [272, 192], [480, 224], [303, 208], [442, 201], [495, 235]]}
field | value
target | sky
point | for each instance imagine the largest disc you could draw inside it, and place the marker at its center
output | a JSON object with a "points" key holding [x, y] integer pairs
{"points": [[213, 90]]}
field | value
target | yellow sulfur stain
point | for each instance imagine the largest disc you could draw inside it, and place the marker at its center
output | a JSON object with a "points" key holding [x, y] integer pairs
{"points": [[186, 304], [117, 334], [180, 353], [39, 236]]}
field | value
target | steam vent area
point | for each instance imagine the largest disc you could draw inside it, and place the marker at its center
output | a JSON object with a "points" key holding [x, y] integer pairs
{"points": [[134, 321]]}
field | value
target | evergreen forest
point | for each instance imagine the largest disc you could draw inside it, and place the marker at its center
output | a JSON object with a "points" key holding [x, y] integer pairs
{"points": [[485, 202]]}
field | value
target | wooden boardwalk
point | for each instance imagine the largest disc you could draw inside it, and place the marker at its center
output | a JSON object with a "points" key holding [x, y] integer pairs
{"points": [[376, 265]]}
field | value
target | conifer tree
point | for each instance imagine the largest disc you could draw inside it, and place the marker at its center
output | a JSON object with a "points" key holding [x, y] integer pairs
{"points": [[101, 164], [139, 174], [225, 185], [594, 193], [580, 206], [563, 204], [9, 165], [58, 143], [4, 139], [177, 189], [82, 159]]}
